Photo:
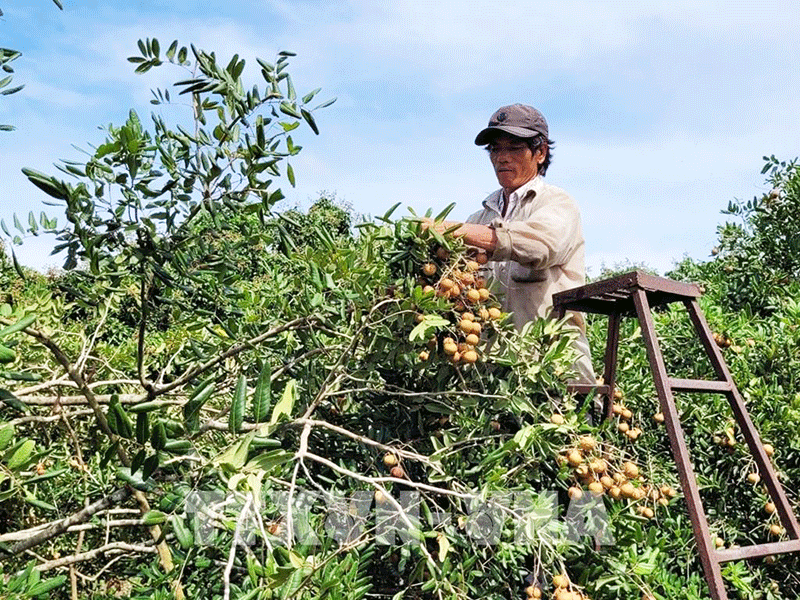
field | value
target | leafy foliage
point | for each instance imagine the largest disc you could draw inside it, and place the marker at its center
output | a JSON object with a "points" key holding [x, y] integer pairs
{"points": [[297, 405]]}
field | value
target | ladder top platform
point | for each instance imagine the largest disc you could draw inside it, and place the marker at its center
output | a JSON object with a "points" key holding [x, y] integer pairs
{"points": [[614, 295]]}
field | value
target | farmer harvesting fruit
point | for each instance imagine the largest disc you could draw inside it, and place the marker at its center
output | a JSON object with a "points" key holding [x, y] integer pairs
{"points": [[530, 229]]}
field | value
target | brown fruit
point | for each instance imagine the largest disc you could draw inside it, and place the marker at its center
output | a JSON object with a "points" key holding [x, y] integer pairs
{"points": [[455, 291], [596, 488], [659, 417], [775, 530], [470, 356], [428, 289], [450, 347], [429, 269], [423, 356], [465, 325], [482, 258], [633, 433], [560, 581], [575, 493], [719, 542], [495, 313], [455, 357], [446, 283], [575, 458], [397, 471], [467, 279], [626, 414], [616, 408], [769, 449], [607, 482], [630, 470], [557, 419], [618, 395], [598, 466], [473, 339], [473, 296], [472, 266], [389, 459], [476, 328], [628, 490], [769, 508], [587, 443], [753, 478], [484, 294], [623, 427], [379, 497], [483, 313], [468, 316]]}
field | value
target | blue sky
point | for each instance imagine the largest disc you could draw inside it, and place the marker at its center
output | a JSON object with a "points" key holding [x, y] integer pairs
{"points": [[661, 111]]}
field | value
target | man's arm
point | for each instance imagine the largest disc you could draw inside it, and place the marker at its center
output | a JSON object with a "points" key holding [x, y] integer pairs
{"points": [[477, 236]]}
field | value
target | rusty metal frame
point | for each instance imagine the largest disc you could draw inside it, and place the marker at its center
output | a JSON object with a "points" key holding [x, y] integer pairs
{"points": [[636, 294]]}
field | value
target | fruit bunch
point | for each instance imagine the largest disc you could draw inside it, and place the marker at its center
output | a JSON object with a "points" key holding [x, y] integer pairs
{"points": [[472, 305], [596, 468]]}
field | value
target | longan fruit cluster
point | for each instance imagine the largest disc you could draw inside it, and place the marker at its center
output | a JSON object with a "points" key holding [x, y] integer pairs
{"points": [[472, 305]]}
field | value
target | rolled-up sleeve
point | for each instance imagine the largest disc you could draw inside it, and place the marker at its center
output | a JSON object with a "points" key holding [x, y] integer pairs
{"points": [[546, 238]]}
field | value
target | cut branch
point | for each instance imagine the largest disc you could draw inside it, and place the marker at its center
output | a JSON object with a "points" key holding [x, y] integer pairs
{"points": [[58, 527], [112, 548]]}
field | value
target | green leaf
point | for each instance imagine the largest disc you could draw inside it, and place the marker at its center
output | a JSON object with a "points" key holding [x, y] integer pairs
{"points": [[238, 405], [154, 517], [191, 410], [262, 396], [309, 118], [6, 434], [290, 173], [150, 465], [47, 585], [286, 404], [142, 427], [21, 455], [173, 48], [7, 355], [428, 323]]}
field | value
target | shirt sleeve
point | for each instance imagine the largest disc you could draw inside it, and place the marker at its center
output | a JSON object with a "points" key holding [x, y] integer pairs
{"points": [[548, 237]]}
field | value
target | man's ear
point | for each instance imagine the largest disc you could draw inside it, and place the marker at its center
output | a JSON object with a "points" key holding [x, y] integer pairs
{"points": [[541, 154]]}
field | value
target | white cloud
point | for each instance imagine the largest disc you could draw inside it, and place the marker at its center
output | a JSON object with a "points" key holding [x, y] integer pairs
{"points": [[661, 110]]}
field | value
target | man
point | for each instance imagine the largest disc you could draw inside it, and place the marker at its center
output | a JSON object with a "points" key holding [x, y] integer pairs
{"points": [[530, 229]]}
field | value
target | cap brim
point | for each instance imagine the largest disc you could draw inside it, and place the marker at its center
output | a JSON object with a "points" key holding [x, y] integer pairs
{"points": [[486, 136]]}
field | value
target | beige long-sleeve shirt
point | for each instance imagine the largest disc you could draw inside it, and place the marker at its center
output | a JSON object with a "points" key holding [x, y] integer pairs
{"points": [[540, 251]]}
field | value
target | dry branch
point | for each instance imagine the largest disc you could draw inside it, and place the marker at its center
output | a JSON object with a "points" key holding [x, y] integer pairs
{"points": [[58, 527], [112, 548]]}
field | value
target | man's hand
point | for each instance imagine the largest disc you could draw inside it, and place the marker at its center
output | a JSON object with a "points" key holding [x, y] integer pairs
{"points": [[478, 236]]}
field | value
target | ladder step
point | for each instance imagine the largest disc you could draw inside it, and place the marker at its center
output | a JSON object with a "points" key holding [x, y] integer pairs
{"points": [[699, 385], [757, 551]]}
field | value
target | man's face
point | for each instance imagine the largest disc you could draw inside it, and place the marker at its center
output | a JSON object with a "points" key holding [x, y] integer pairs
{"points": [[514, 163]]}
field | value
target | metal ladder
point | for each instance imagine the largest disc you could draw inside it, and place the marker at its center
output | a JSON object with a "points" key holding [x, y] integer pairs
{"points": [[635, 294]]}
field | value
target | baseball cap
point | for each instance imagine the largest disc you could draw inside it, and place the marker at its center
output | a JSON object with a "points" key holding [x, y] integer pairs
{"points": [[517, 119]]}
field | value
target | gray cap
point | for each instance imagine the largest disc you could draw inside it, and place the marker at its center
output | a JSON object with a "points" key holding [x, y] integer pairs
{"points": [[518, 119]]}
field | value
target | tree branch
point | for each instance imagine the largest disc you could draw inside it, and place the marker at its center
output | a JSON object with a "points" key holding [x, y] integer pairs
{"points": [[232, 351], [112, 548], [58, 527]]}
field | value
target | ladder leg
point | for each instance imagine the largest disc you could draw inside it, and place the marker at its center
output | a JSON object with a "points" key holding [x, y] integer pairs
{"points": [[770, 479], [702, 535], [610, 362]]}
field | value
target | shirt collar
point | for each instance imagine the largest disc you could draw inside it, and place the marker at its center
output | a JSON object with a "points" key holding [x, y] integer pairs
{"points": [[525, 192]]}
